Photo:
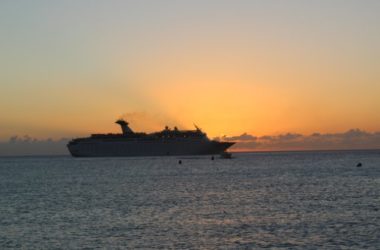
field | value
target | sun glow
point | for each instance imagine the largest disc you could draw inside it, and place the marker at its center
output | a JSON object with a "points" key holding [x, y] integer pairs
{"points": [[247, 67]]}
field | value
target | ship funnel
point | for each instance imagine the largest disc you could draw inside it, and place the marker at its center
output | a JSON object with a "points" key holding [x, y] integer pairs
{"points": [[124, 126]]}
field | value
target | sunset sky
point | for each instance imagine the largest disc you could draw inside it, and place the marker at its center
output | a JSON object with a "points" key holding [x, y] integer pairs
{"points": [[71, 68]]}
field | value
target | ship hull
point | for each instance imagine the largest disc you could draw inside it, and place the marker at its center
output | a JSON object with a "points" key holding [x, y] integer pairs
{"points": [[132, 148]]}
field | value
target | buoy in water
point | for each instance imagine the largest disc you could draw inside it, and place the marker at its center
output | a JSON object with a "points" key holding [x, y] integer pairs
{"points": [[359, 165], [212, 158], [179, 162]]}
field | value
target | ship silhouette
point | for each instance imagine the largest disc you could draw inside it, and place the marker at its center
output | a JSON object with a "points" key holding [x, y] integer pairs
{"points": [[162, 143]]}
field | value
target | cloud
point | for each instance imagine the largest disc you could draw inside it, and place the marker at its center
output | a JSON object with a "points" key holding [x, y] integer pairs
{"points": [[352, 139], [242, 137], [26, 145]]}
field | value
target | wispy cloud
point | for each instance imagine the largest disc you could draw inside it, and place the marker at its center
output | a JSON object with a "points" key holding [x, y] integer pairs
{"points": [[26, 145], [352, 139]]}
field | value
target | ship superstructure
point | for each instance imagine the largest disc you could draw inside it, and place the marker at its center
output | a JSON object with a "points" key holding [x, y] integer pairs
{"points": [[162, 143]]}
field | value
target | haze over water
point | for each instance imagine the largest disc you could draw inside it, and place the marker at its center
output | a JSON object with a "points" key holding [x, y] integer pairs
{"points": [[304, 200]]}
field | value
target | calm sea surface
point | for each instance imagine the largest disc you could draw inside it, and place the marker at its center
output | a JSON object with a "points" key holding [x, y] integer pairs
{"points": [[309, 200]]}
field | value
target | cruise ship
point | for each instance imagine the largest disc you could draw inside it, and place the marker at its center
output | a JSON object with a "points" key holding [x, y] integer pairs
{"points": [[163, 143]]}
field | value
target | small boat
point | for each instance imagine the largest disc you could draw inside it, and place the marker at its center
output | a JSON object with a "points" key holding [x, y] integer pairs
{"points": [[226, 155]]}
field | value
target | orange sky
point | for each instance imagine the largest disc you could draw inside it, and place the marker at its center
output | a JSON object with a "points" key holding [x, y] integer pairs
{"points": [[69, 69]]}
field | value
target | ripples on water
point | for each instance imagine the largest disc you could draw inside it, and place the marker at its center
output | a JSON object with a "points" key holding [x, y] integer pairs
{"points": [[263, 200]]}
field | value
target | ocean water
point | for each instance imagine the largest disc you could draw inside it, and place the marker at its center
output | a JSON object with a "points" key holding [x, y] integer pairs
{"points": [[297, 200]]}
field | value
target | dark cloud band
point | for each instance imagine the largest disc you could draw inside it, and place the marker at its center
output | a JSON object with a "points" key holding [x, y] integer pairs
{"points": [[352, 139]]}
